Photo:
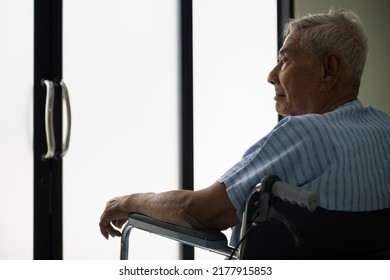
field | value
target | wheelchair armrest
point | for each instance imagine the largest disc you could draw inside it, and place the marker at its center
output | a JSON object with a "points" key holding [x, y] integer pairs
{"points": [[208, 239]]}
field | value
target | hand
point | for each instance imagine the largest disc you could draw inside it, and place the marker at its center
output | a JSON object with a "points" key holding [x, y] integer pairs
{"points": [[114, 217]]}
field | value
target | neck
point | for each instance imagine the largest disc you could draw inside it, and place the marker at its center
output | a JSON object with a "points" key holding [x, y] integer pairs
{"points": [[340, 94]]}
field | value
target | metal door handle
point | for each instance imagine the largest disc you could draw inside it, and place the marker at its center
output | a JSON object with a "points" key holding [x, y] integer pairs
{"points": [[49, 123], [65, 99]]}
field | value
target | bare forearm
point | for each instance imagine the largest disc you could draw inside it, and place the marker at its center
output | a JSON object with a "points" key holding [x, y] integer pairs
{"points": [[166, 206], [207, 208]]}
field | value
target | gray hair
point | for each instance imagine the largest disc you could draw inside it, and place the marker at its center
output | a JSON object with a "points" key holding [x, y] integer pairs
{"points": [[340, 31]]}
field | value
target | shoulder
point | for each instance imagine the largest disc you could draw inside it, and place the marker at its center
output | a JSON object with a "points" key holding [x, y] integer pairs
{"points": [[299, 127], [347, 116], [356, 111]]}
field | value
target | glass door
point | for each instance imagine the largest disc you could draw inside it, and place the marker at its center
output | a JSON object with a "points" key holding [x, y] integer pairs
{"points": [[121, 66], [235, 46], [16, 124]]}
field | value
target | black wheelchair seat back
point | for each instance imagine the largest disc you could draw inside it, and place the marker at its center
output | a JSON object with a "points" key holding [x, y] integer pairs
{"points": [[292, 232]]}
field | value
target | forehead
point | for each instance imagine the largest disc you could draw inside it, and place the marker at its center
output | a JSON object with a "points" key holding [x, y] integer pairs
{"points": [[291, 44]]}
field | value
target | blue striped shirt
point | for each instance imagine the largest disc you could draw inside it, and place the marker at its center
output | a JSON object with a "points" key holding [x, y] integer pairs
{"points": [[343, 156]]}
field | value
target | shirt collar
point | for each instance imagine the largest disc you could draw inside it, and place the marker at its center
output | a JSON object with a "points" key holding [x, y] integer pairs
{"points": [[354, 103]]}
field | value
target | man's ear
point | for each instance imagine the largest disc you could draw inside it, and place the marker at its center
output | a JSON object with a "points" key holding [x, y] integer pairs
{"points": [[331, 65]]}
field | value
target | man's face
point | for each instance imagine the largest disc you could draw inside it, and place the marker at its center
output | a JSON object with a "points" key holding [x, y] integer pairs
{"points": [[296, 78]]}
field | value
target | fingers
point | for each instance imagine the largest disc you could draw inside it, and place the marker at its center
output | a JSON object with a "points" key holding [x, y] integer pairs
{"points": [[119, 223], [107, 229], [110, 231], [112, 216]]}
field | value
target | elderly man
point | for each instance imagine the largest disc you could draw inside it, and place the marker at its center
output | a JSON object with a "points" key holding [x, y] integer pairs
{"points": [[327, 143]]}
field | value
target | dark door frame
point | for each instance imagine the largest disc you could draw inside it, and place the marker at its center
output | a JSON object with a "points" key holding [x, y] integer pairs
{"points": [[47, 172]]}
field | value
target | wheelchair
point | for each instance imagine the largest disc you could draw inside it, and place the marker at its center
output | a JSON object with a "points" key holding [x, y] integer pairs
{"points": [[283, 221]]}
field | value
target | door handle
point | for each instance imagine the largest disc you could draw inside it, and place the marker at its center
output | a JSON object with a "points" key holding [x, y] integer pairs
{"points": [[49, 121], [66, 101]]}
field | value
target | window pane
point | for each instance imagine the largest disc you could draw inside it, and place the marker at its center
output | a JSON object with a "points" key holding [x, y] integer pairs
{"points": [[235, 46], [121, 68], [16, 123]]}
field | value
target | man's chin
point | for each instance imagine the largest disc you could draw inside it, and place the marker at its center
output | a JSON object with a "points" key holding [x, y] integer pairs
{"points": [[281, 109]]}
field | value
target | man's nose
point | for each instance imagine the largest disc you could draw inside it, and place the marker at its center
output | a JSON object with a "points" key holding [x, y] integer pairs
{"points": [[273, 77]]}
